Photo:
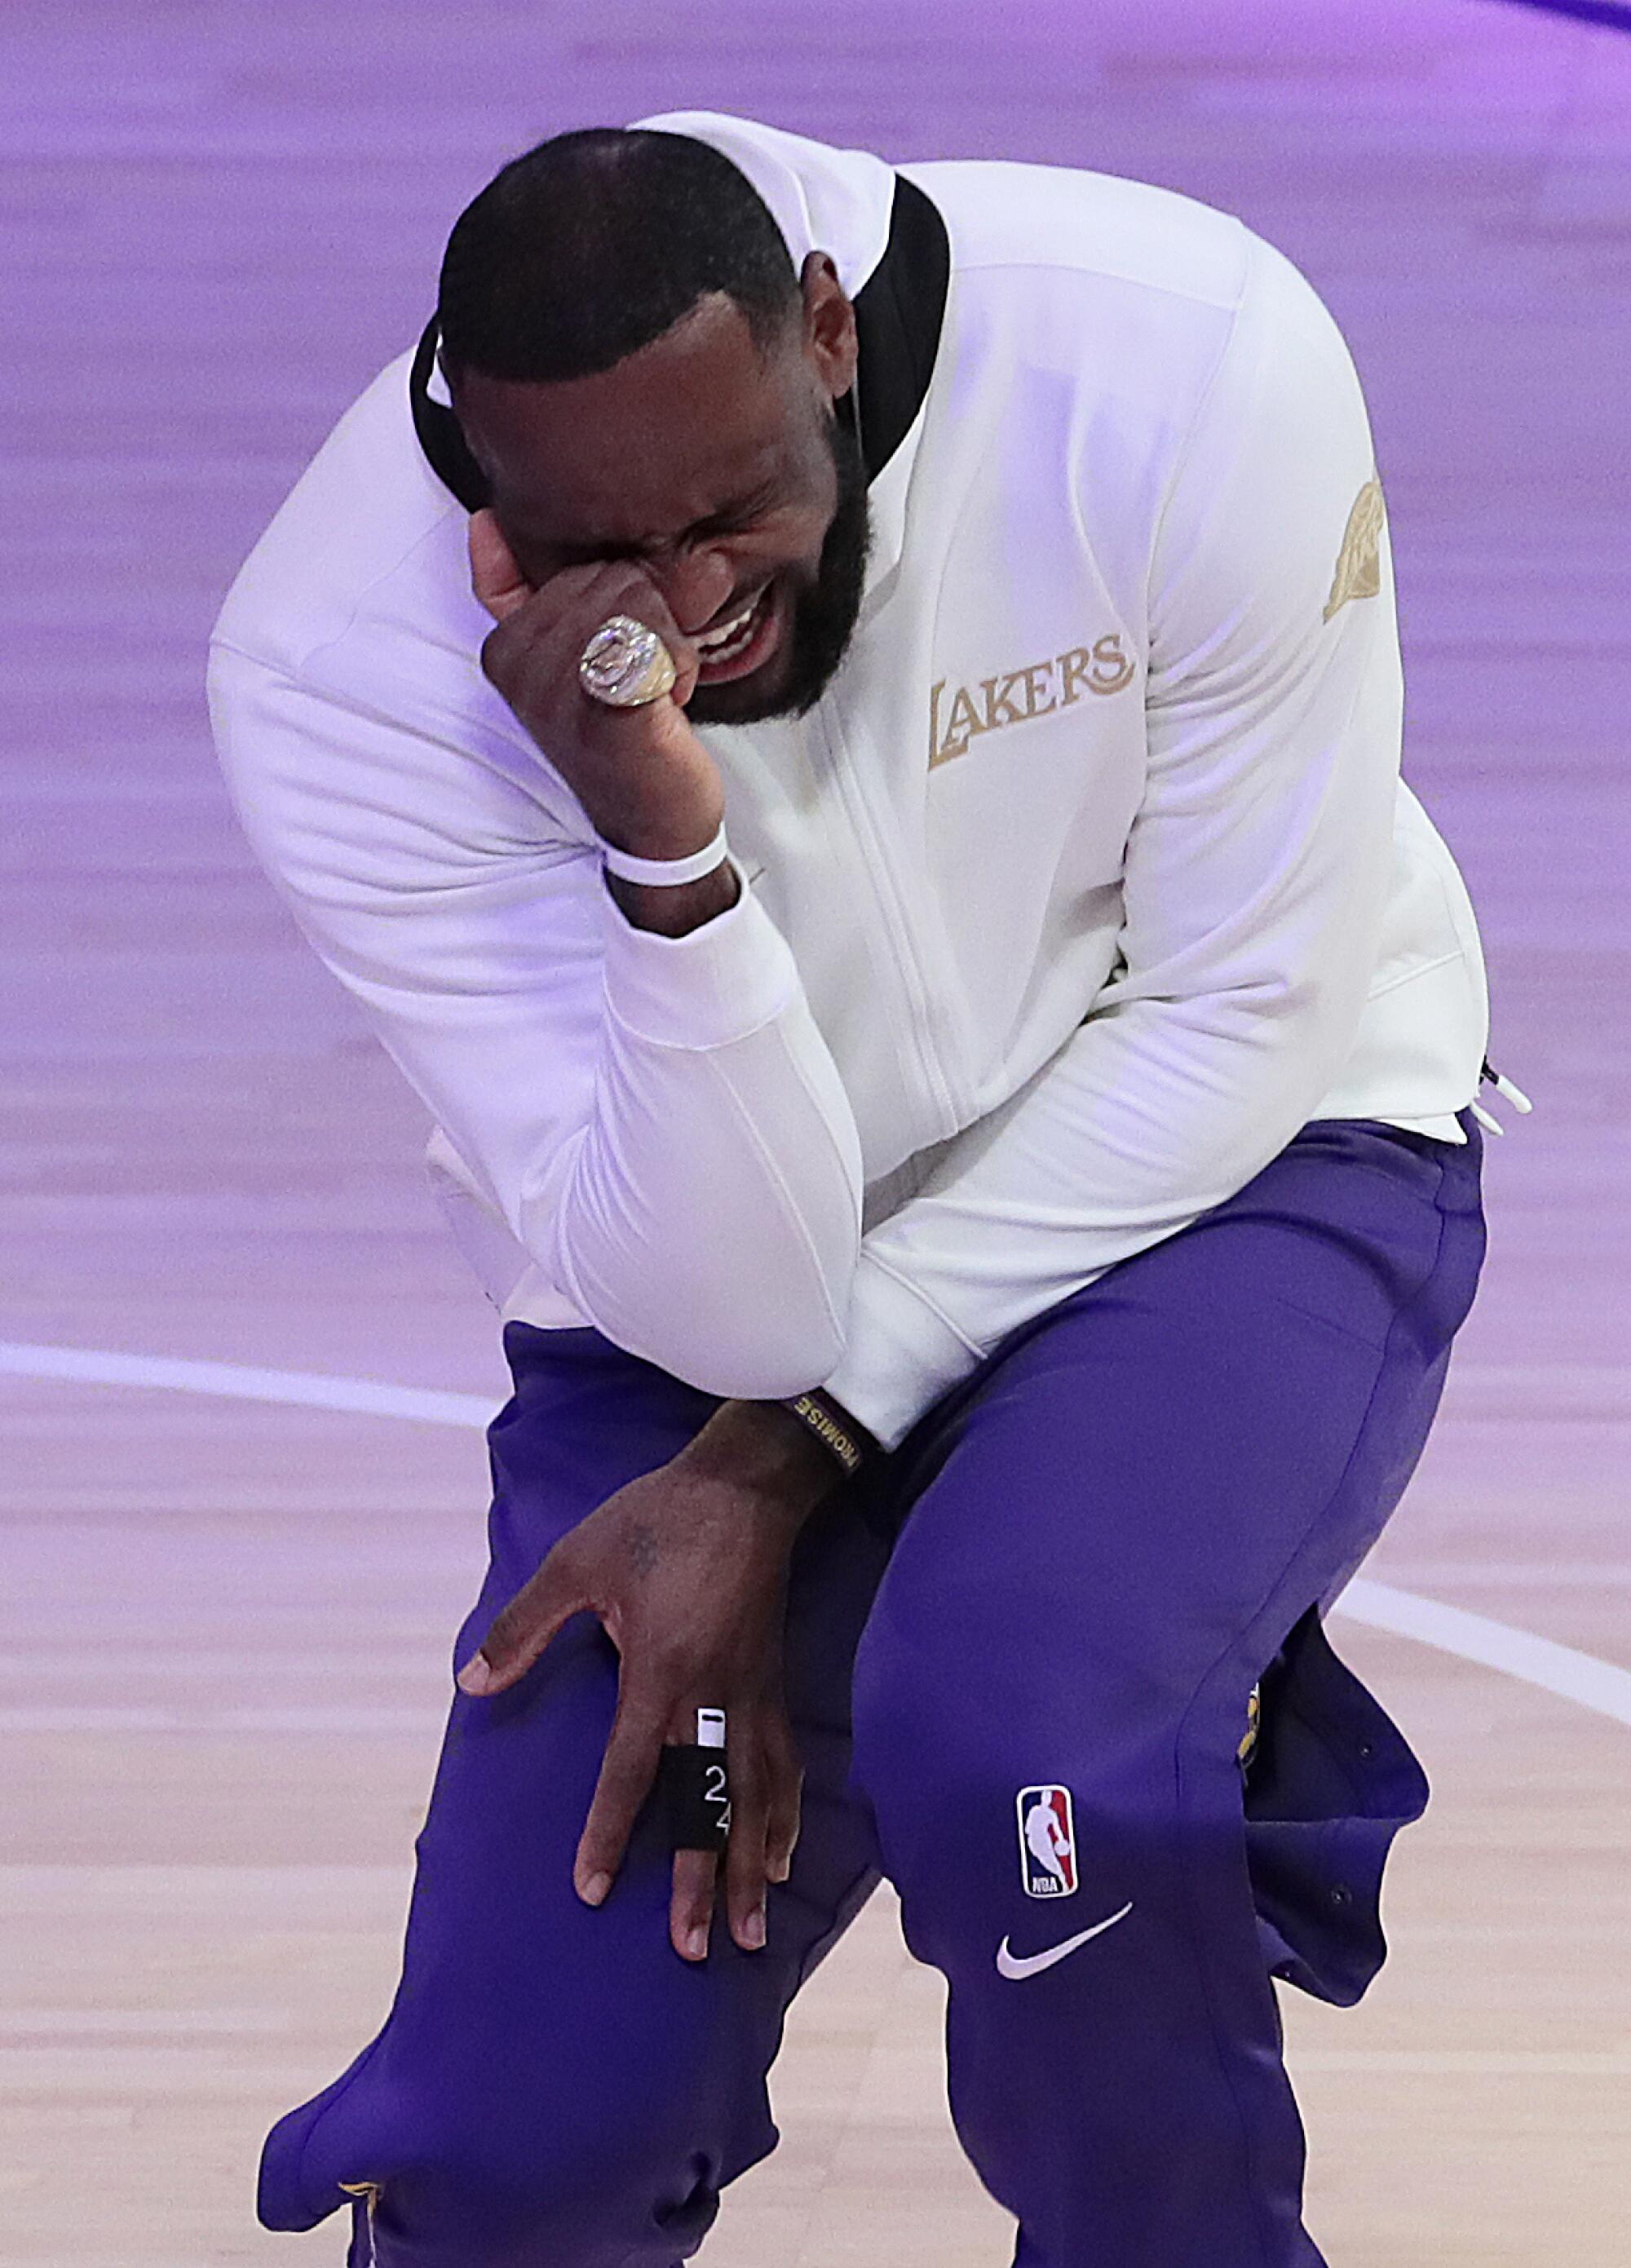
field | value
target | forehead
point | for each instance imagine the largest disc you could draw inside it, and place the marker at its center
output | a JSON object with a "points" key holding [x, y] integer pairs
{"points": [[668, 436]]}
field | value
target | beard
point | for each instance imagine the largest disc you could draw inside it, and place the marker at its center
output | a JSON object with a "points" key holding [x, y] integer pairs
{"points": [[824, 612]]}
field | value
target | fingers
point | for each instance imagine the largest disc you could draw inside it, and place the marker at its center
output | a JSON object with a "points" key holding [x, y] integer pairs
{"points": [[697, 1873], [518, 1633], [619, 589], [765, 1779], [627, 1771], [649, 607], [691, 1906], [786, 1785], [495, 577], [744, 1849], [563, 614]]}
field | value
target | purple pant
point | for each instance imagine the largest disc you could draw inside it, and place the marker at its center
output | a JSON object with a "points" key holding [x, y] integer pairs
{"points": [[1045, 1613]]}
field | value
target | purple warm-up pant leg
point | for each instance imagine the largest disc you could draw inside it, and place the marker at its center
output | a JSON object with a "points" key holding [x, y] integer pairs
{"points": [[1020, 1664]]}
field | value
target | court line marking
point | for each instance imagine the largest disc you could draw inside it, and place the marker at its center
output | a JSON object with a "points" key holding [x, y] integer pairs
{"points": [[1602, 1687], [206, 1722], [309, 1389], [1565, 1670]]}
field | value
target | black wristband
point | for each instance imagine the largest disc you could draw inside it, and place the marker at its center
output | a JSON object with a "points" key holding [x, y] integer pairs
{"points": [[696, 1797], [832, 1425]]}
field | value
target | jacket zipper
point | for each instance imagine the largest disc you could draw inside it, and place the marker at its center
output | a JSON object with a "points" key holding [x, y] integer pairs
{"points": [[365, 2196], [892, 902]]}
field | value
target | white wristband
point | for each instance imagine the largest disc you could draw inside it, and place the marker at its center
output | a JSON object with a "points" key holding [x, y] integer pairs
{"points": [[666, 870]]}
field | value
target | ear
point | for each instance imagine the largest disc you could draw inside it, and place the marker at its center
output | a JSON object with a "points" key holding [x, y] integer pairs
{"points": [[830, 342]]}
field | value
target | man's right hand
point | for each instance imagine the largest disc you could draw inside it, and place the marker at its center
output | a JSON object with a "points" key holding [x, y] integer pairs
{"points": [[642, 775]]}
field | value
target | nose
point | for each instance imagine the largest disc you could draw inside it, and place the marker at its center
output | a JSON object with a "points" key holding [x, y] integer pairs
{"points": [[697, 580]]}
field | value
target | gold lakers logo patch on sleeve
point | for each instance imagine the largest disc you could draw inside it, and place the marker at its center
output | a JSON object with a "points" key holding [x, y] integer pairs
{"points": [[1358, 563]]}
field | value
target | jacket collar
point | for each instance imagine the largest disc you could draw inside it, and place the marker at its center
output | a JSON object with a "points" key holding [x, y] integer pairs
{"points": [[892, 255]]}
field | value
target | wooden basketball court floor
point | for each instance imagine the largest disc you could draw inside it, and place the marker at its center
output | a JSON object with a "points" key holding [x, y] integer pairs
{"points": [[230, 1581]]}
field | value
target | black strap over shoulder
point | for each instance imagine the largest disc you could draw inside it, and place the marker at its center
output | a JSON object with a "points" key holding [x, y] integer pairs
{"points": [[440, 436], [900, 312]]}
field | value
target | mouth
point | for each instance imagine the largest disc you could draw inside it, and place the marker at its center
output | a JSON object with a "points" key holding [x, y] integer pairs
{"points": [[740, 644]]}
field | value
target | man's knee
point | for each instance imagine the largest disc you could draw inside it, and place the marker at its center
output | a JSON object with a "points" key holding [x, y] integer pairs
{"points": [[497, 2185], [624, 2200], [990, 1787]]}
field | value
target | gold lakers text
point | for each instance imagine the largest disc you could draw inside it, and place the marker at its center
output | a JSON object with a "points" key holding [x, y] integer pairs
{"points": [[1022, 695]]}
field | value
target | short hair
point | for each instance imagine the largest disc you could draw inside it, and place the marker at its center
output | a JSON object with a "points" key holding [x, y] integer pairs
{"points": [[598, 241]]}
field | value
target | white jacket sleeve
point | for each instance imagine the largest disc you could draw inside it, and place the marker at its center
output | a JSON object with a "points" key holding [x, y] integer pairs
{"points": [[658, 1119], [1253, 889]]}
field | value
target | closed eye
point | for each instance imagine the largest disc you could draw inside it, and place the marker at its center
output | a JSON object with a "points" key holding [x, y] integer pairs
{"points": [[735, 519]]}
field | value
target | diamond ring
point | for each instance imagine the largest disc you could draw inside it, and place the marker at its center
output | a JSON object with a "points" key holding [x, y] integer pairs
{"points": [[626, 664]]}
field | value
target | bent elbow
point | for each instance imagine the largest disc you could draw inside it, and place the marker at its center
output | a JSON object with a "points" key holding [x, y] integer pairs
{"points": [[750, 1330], [761, 1341], [768, 1374]]}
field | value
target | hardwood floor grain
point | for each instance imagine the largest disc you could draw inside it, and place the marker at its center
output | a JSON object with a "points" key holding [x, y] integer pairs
{"points": [[226, 1625]]}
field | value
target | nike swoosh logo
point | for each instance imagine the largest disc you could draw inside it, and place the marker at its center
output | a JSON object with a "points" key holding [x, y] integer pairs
{"points": [[1032, 1964]]}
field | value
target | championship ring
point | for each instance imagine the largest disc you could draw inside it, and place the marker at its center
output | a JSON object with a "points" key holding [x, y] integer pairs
{"points": [[625, 665]]}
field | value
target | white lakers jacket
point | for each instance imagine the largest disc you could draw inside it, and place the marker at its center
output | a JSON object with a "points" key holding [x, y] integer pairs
{"points": [[1090, 879]]}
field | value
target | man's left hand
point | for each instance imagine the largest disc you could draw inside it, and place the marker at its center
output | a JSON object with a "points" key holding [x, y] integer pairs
{"points": [[687, 1569]]}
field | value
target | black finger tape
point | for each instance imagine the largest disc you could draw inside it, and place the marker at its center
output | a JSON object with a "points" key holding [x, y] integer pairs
{"points": [[696, 1797]]}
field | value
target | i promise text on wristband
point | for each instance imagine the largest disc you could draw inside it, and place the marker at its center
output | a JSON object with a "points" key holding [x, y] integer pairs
{"points": [[630, 869], [849, 1440]]}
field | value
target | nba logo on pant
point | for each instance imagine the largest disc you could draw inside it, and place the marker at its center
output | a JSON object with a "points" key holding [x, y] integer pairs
{"points": [[1046, 1841]]}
